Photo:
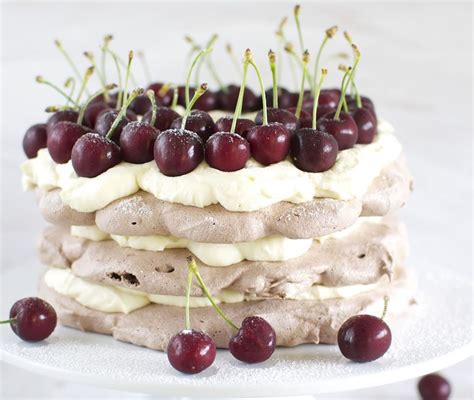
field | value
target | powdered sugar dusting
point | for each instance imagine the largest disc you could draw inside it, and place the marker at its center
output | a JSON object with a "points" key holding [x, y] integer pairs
{"points": [[134, 206]]}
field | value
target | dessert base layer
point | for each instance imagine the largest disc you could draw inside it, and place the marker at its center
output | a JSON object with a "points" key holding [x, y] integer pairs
{"points": [[295, 321]]}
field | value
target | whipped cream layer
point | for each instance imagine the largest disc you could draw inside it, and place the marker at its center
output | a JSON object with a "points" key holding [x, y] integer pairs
{"points": [[113, 299], [271, 248], [251, 188]]}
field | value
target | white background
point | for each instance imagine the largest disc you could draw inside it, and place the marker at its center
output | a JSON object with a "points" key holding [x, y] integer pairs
{"points": [[416, 65]]}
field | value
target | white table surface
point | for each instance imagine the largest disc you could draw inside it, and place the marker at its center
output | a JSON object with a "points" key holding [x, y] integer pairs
{"points": [[416, 65]]}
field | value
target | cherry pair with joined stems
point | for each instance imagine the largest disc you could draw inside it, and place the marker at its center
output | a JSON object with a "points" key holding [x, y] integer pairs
{"points": [[32, 319], [192, 351]]}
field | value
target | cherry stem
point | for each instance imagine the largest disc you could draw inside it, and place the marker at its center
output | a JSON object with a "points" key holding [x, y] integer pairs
{"points": [[174, 102], [40, 79], [328, 35], [251, 61], [68, 58], [144, 63], [193, 267], [240, 99], [233, 58], [119, 78], [212, 70], [8, 321], [127, 75], [296, 13], [344, 85], [190, 71], [188, 299], [80, 118], [209, 45], [135, 93], [70, 82], [91, 58], [299, 105], [105, 46], [290, 50], [316, 97], [85, 81], [272, 62], [385, 306], [280, 33], [124, 65], [198, 93], [151, 96], [348, 38]]}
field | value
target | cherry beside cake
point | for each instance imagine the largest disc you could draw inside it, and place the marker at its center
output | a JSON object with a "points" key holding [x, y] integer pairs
{"points": [[188, 218]]}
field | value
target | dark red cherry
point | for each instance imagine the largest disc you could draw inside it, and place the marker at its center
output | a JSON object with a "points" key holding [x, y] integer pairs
{"points": [[178, 152], [312, 150], [164, 117], [106, 118], [434, 387], [137, 141], [242, 126], [344, 129], [163, 98], [254, 342], [34, 319], [364, 338], [366, 124], [286, 99], [199, 122], [93, 110], [228, 99], [94, 154], [366, 103], [62, 137], [140, 105], [63, 115], [306, 118], [270, 143], [182, 95], [191, 351], [285, 117], [327, 102], [207, 102], [227, 151], [35, 139]]}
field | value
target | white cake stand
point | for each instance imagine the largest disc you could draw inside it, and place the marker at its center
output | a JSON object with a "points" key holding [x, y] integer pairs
{"points": [[438, 335]]}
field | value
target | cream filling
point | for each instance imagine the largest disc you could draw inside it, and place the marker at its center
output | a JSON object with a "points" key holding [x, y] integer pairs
{"points": [[112, 299], [251, 188], [271, 248]]}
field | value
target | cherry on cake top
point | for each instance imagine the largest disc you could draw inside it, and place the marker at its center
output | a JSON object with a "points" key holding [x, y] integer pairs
{"points": [[145, 130]]}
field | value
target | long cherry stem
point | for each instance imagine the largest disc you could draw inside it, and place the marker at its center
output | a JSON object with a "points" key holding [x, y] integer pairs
{"points": [[8, 321], [348, 38], [80, 118], [40, 79], [127, 75], [210, 43], [174, 102], [119, 78], [316, 97], [273, 66], [85, 81], [193, 267], [90, 56], [344, 85], [105, 45], [144, 63], [188, 299], [233, 58], [190, 71], [343, 93], [70, 82], [299, 105], [135, 93], [385, 306], [280, 33], [329, 33], [151, 96], [240, 99], [290, 50], [296, 13], [251, 61], [198, 93], [68, 58]]}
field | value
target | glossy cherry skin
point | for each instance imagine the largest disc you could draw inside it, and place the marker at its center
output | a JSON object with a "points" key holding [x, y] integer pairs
{"points": [[63, 115], [327, 102], [137, 142], [228, 99], [35, 319], [62, 138], [366, 125], [207, 102], [366, 103], [35, 139], [106, 118], [285, 117], [92, 112], [344, 129], [254, 342], [270, 143], [164, 118], [434, 387], [199, 122], [191, 351], [312, 150], [94, 154], [364, 338], [140, 105], [306, 117], [227, 151], [162, 99], [178, 152], [242, 126]]}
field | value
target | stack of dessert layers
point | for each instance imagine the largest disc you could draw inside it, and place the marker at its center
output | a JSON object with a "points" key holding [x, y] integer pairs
{"points": [[305, 251]]}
